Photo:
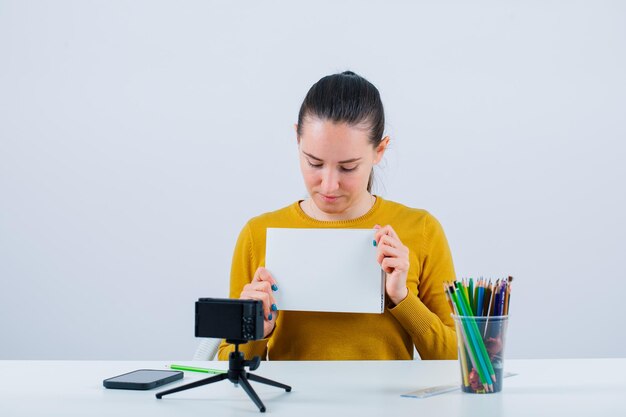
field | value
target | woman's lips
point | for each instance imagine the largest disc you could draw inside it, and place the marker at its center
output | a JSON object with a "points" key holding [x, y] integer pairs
{"points": [[329, 198]]}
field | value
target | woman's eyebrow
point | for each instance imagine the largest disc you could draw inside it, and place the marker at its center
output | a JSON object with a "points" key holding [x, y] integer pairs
{"points": [[347, 161]]}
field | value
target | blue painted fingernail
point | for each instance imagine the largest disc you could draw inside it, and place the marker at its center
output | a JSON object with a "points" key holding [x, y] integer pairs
{"points": [[274, 287], [374, 243], [274, 308], [269, 317]]}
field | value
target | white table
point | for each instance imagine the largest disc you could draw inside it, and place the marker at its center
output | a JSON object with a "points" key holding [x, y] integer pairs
{"points": [[572, 387]]}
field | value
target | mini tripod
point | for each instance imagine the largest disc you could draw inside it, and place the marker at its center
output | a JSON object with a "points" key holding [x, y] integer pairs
{"points": [[237, 375]]}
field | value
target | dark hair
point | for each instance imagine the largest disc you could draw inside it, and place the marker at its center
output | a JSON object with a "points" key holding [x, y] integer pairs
{"points": [[347, 98]]}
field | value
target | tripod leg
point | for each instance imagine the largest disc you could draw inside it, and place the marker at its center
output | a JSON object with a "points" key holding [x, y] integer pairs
{"points": [[250, 391], [256, 378], [200, 383]]}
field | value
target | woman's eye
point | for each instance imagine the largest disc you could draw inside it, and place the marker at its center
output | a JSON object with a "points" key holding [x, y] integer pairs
{"points": [[348, 169], [314, 165]]}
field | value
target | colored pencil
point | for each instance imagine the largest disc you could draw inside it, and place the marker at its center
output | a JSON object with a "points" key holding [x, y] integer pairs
{"points": [[483, 355], [476, 344], [481, 295], [471, 295], [463, 352]]}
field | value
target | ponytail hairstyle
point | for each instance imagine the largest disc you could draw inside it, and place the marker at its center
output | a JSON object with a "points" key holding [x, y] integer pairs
{"points": [[346, 98]]}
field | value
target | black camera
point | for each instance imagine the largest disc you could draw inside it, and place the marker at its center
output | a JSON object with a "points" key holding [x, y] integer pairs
{"points": [[237, 321], [226, 318]]}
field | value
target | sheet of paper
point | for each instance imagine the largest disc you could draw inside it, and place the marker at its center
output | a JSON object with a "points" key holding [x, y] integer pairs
{"points": [[332, 270]]}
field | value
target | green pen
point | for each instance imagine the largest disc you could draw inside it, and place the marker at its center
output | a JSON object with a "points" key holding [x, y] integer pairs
{"points": [[203, 370]]}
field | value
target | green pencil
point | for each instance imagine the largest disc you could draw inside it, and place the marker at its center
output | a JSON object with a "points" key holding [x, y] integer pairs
{"points": [[203, 370], [481, 368], [480, 344], [470, 294]]}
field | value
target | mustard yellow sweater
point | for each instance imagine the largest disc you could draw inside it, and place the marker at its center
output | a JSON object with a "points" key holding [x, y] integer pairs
{"points": [[421, 319]]}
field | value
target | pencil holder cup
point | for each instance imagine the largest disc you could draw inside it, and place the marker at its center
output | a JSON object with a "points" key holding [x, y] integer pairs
{"points": [[481, 352]]}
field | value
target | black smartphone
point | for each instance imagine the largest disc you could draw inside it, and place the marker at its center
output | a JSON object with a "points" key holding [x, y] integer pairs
{"points": [[143, 379]]}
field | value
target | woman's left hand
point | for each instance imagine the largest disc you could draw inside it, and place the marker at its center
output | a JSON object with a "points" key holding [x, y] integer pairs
{"points": [[393, 258]]}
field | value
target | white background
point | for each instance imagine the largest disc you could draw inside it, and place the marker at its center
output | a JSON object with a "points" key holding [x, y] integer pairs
{"points": [[137, 137]]}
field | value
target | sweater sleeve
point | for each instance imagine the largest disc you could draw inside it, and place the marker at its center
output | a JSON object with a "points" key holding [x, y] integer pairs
{"points": [[425, 315], [243, 267]]}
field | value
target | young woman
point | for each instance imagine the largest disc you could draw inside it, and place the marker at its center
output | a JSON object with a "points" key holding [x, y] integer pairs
{"points": [[340, 139]]}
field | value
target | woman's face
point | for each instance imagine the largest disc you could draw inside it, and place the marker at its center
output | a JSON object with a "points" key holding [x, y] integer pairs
{"points": [[336, 160]]}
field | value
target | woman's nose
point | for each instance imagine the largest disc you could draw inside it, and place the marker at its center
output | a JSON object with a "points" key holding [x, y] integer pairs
{"points": [[330, 181]]}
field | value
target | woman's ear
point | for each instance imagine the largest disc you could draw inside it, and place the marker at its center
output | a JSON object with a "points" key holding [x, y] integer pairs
{"points": [[295, 127], [381, 148]]}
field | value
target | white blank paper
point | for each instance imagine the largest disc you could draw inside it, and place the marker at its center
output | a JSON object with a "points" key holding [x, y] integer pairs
{"points": [[332, 270]]}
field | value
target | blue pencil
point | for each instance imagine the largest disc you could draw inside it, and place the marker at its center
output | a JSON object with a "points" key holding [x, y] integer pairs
{"points": [[481, 296], [496, 301], [502, 298]]}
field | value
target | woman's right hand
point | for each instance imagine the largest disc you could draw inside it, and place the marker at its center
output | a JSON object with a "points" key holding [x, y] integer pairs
{"points": [[262, 288]]}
